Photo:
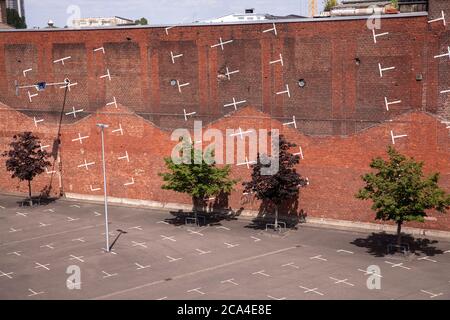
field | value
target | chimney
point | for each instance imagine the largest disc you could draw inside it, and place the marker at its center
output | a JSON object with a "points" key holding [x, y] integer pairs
{"points": [[249, 10]]}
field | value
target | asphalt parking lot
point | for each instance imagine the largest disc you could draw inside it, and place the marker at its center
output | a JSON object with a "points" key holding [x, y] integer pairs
{"points": [[154, 258]]}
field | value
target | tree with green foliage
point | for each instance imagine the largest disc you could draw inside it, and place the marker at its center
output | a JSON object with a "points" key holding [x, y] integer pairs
{"points": [[142, 21], [280, 186], [14, 20], [329, 4], [400, 192], [197, 175], [26, 159]]}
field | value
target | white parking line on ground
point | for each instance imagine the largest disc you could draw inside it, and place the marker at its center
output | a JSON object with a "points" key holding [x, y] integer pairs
{"points": [[337, 281], [400, 265], [318, 257], [273, 298], [262, 273], [163, 222], [171, 238], [372, 273], [230, 245], [222, 227], [255, 238], [97, 213], [34, 293], [290, 264], [3, 274], [163, 298], [140, 266], [427, 258], [79, 239], [196, 290], [171, 259], [431, 294], [75, 206], [17, 253], [308, 290], [195, 232], [107, 275], [230, 281], [49, 210], [50, 246], [23, 214], [136, 228], [80, 258], [42, 224], [140, 244], [44, 266], [11, 230], [201, 252], [70, 219], [345, 251]]}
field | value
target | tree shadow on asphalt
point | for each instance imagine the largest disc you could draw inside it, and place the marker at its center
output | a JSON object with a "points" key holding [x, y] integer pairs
{"points": [[179, 218], [377, 244]]}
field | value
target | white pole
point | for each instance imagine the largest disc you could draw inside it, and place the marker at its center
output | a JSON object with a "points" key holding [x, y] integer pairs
{"points": [[102, 127]]}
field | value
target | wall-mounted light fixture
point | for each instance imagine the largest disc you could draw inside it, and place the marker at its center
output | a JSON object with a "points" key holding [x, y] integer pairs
{"points": [[173, 82], [301, 83], [357, 61]]}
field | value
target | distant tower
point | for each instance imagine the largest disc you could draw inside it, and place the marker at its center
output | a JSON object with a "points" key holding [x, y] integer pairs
{"points": [[312, 7]]}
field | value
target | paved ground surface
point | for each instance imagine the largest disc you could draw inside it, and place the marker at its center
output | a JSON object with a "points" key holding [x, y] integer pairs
{"points": [[156, 259]]}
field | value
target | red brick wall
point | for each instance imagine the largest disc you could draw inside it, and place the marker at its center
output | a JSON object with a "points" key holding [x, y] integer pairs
{"points": [[341, 118]]}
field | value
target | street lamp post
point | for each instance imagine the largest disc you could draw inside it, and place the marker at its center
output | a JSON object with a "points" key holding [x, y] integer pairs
{"points": [[102, 127]]}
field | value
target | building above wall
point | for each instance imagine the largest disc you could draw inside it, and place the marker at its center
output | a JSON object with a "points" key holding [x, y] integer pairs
{"points": [[101, 22]]}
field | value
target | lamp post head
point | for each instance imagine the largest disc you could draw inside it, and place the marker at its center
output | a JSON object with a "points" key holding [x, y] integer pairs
{"points": [[102, 125]]}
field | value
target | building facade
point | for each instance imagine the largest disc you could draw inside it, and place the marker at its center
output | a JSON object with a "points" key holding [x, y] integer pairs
{"points": [[101, 22], [18, 5]]}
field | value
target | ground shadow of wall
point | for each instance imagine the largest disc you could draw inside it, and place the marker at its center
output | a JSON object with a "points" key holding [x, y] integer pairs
{"points": [[377, 244]]}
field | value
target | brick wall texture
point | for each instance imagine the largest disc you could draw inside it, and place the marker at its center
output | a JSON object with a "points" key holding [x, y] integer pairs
{"points": [[341, 117]]}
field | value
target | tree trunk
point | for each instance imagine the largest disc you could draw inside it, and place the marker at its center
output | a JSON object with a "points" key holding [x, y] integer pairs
{"points": [[276, 217], [399, 232], [29, 193]]}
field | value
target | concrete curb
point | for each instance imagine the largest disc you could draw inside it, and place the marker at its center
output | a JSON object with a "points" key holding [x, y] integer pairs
{"points": [[250, 214]]}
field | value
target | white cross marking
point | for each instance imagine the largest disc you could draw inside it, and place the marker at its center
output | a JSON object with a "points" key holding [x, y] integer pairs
{"points": [[119, 130], [387, 104], [173, 57], [137, 228], [427, 258], [180, 85], [6, 274], [107, 275], [23, 214], [255, 238], [230, 281], [140, 266], [439, 19], [44, 266], [124, 157], [164, 222], [49, 210], [42, 224], [318, 257], [68, 85], [107, 75], [17, 253], [300, 153], [201, 252], [292, 122], [140, 244], [378, 35], [196, 290], [97, 213], [230, 245], [11, 230], [114, 102], [307, 290], [384, 69], [393, 137], [62, 60], [342, 281], [173, 259], [86, 164], [188, 114], [222, 227], [195, 232], [50, 246], [74, 112], [397, 265], [93, 189], [273, 298], [129, 183], [80, 138], [75, 206], [234, 103], [345, 251], [168, 28], [228, 73], [445, 91], [72, 257], [25, 71], [70, 219], [100, 49], [261, 272], [443, 55], [274, 29], [241, 133], [34, 293], [37, 121], [30, 96], [43, 147], [168, 238], [432, 295], [290, 264], [221, 43], [279, 60], [248, 163], [285, 91], [371, 273], [79, 239]]}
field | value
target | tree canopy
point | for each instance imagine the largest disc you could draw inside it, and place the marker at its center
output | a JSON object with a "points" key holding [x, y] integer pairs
{"points": [[14, 20], [399, 190]]}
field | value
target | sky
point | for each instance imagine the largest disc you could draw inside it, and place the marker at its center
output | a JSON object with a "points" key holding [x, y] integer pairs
{"points": [[38, 12]]}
